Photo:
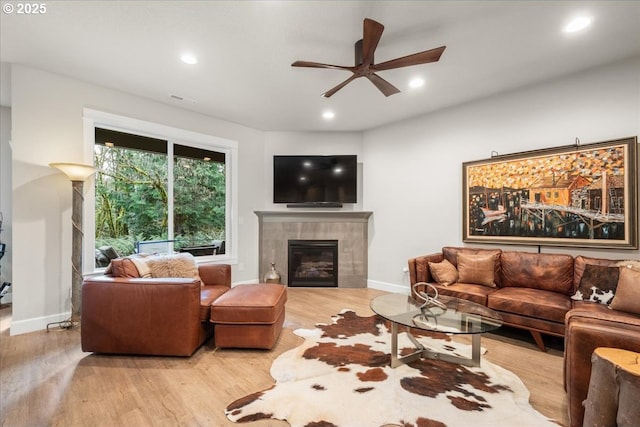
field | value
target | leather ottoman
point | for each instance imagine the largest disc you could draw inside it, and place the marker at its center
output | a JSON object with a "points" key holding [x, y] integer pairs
{"points": [[249, 316]]}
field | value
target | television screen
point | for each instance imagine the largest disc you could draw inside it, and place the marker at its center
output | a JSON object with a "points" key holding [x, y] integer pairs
{"points": [[315, 179]]}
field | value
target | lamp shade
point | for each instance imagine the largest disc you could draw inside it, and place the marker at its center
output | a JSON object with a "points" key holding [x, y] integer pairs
{"points": [[75, 171]]}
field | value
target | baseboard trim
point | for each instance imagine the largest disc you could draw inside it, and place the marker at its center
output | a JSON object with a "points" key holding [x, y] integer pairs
{"points": [[388, 287], [35, 324]]}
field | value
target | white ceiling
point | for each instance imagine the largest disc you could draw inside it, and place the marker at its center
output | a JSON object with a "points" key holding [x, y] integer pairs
{"points": [[245, 51]]}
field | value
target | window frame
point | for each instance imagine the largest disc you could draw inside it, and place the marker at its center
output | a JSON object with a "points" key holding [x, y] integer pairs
{"points": [[93, 119]]}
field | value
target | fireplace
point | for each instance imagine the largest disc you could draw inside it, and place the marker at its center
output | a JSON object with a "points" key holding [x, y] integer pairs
{"points": [[313, 263], [349, 228]]}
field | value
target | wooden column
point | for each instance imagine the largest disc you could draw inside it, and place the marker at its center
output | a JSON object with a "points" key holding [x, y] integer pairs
{"points": [[614, 389]]}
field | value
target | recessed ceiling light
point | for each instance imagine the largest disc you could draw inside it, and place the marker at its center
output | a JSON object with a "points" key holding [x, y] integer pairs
{"points": [[416, 82], [188, 58], [328, 115], [578, 23]]}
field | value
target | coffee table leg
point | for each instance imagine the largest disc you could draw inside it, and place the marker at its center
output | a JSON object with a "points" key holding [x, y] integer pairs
{"points": [[475, 350], [397, 360], [422, 352], [394, 345]]}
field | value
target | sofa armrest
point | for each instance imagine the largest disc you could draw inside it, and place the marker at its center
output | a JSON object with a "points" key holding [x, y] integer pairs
{"points": [[215, 274], [141, 316], [419, 267], [587, 328]]}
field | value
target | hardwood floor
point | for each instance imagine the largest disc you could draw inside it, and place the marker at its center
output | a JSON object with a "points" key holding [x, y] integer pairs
{"points": [[46, 380]]}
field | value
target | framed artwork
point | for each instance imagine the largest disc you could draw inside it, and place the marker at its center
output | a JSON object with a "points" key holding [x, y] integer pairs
{"points": [[579, 195]]}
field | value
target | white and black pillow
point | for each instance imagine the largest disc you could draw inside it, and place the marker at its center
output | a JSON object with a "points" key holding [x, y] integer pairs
{"points": [[598, 284]]}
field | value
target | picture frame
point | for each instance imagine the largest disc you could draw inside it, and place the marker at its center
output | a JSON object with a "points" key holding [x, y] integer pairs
{"points": [[577, 195]]}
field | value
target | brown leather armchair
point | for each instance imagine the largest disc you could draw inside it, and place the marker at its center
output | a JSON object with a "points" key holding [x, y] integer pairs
{"points": [[150, 316]]}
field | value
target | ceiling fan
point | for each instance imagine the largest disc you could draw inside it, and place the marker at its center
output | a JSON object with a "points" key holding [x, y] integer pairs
{"points": [[365, 66]]}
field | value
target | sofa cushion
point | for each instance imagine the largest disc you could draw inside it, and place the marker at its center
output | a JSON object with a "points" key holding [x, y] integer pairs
{"points": [[260, 303], [443, 272], [536, 303], [627, 296], [208, 294], [598, 284], [477, 269], [469, 292], [549, 272], [450, 253]]}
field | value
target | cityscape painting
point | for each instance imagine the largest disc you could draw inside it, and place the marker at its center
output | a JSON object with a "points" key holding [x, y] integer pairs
{"points": [[579, 195]]}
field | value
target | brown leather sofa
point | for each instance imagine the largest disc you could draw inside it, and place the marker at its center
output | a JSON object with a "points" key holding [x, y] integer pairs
{"points": [[151, 316], [533, 292]]}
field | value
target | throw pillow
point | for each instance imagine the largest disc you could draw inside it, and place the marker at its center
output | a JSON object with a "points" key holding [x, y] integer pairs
{"points": [[627, 296], [443, 272], [140, 261], [122, 267], [634, 265], [477, 269], [173, 265], [598, 284]]}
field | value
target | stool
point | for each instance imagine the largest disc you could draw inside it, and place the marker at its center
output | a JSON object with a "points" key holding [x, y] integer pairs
{"points": [[249, 316], [614, 389]]}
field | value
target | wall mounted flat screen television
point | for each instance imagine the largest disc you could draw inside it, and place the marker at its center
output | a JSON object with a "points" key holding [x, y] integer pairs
{"points": [[315, 180]]}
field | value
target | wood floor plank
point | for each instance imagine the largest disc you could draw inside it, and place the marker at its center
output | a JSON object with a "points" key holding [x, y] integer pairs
{"points": [[46, 380]]}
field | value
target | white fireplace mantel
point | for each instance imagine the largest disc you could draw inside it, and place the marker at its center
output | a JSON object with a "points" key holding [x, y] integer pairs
{"points": [[349, 228]]}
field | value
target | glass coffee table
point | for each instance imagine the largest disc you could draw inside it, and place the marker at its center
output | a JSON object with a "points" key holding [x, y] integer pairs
{"points": [[451, 316]]}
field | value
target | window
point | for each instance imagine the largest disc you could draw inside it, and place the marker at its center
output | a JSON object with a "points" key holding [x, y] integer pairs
{"points": [[168, 188]]}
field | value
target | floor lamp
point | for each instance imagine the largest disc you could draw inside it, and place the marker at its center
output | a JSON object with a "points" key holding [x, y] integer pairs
{"points": [[77, 173]]}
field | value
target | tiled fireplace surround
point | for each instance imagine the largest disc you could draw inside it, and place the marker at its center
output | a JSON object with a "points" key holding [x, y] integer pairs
{"points": [[349, 228]]}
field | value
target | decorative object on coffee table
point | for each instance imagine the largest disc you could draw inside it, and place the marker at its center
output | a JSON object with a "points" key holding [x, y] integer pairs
{"points": [[429, 301]]}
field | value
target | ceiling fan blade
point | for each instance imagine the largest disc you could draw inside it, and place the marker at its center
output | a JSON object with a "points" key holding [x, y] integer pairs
{"points": [[372, 32], [384, 86], [319, 65], [332, 91], [425, 57]]}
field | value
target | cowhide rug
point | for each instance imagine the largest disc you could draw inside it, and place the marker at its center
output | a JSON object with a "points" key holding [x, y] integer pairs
{"points": [[341, 376]]}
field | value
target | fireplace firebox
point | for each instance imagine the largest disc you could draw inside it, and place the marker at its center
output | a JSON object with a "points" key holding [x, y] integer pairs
{"points": [[313, 263]]}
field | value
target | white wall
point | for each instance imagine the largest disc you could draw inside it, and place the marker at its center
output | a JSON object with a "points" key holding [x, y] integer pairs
{"points": [[5, 198], [413, 169], [47, 126]]}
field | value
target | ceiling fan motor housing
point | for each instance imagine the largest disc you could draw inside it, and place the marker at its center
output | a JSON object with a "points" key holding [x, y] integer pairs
{"points": [[358, 53]]}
